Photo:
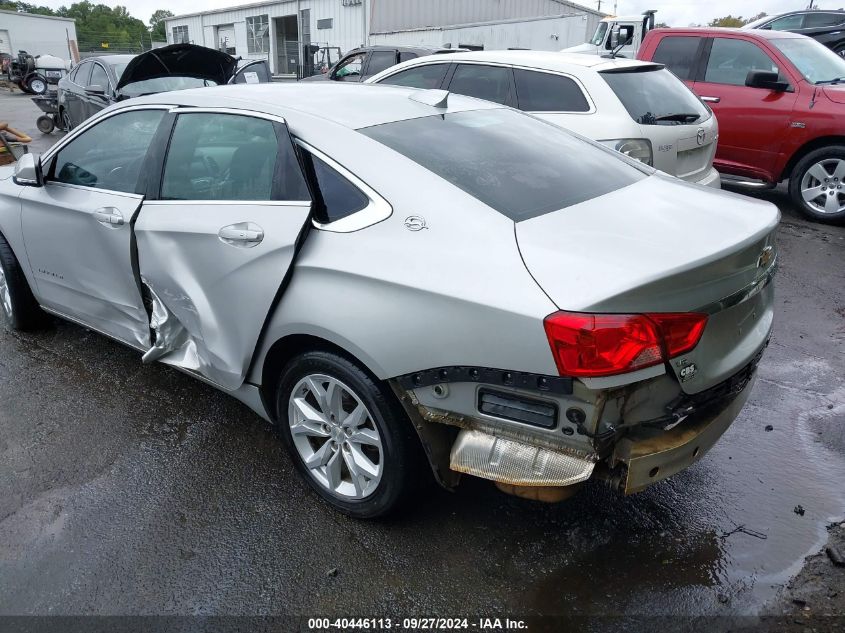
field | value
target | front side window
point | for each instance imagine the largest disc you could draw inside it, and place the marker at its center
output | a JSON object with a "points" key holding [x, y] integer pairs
{"points": [[109, 155], [350, 69], [381, 60], [656, 97], [731, 60], [786, 23], [545, 92], [99, 77], [492, 83], [335, 196], [516, 164], [427, 76], [180, 35], [258, 34], [230, 157], [678, 54]]}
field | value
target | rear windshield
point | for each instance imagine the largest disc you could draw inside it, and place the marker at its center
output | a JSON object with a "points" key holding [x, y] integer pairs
{"points": [[656, 97], [518, 165]]}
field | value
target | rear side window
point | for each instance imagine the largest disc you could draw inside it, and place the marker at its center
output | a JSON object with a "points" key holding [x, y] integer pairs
{"points": [[678, 54], [230, 157], [405, 56], [812, 20], [381, 60], [545, 92], [656, 97], [492, 83], [731, 60], [82, 73], [518, 165], [335, 197], [428, 76]]}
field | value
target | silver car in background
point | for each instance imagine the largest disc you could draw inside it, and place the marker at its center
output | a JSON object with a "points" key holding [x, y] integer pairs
{"points": [[396, 277], [638, 108]]}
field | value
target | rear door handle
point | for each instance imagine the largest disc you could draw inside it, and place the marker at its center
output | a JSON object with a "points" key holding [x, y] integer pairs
{"points": [[109, 216], [711, 99], [243, 234]]}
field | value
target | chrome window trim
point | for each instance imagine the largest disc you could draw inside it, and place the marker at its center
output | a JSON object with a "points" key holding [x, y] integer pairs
{"points": [[252, 203], [68, 185], [237, 111], [97, 118], [376, 211]]}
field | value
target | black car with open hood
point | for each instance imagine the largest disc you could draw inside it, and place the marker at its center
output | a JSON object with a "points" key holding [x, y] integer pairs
{"points": [[98, 82]]}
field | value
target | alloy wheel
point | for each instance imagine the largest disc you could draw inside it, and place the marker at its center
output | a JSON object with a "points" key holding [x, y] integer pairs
{"points": [[822, 186], [335, 435], [5, 296]]}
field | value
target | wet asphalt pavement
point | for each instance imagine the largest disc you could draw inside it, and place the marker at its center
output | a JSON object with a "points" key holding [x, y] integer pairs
{"points": [[132, 489]]}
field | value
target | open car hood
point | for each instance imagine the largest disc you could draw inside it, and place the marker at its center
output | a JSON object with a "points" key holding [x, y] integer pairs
{"points": [[180, 60]]}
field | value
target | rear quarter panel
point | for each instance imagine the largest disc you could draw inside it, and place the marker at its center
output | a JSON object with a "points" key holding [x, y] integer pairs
{"points": [[455, 292]]}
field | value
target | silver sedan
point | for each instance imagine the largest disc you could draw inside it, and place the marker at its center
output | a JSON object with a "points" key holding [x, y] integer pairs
{"points": [[404, 282]]}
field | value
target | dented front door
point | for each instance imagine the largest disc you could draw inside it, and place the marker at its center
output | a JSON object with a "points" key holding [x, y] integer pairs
{"points": [[214, 249]]}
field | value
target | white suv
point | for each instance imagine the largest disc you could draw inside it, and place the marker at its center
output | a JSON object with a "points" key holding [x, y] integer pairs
{"points": [[638, 108]]}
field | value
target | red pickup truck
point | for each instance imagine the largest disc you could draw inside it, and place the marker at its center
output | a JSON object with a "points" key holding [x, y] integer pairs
{"points": [[779, 98]]}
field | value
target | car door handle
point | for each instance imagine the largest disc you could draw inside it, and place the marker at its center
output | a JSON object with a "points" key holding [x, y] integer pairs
{"points": [[244, 234], [109, 216], [711, 99]]}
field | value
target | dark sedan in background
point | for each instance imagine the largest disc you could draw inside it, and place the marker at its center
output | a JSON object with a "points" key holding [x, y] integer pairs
{"points": [[98, 82], [362, 63], [827, 27]]}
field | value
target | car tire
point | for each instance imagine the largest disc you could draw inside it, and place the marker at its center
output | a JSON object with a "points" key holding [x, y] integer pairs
{"points": [[817, 184], [365, 467], [18, 308], [67, 125]]}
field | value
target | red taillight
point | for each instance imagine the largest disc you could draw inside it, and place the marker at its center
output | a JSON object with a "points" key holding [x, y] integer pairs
{"points": [[591, 345]]}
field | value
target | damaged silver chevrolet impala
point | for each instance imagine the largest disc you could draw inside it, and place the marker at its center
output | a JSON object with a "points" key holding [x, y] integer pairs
{"points": [[395, 276]]}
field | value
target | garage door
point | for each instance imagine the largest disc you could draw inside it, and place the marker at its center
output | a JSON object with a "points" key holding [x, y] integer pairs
{"points": [[5, 44]]}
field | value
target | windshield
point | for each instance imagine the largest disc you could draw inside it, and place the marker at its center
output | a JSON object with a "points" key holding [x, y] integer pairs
{"points": [[163, 84], [654, 96], [118, 69], [601, 31], [815, 61], [518, 165]]}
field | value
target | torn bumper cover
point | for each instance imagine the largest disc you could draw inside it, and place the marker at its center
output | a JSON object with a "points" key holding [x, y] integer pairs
{"points": [[652, 459], [512, 462]]}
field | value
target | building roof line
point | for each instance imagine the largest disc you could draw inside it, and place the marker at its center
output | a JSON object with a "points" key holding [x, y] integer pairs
{"points": [[38, 15]]}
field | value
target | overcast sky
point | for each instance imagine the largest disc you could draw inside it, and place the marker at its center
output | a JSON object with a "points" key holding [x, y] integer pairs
{"points": [[673, 12]]}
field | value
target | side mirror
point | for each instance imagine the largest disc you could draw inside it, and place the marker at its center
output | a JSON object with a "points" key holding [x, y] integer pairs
{"points": [[95, 90], [28, 171], [765, 79], [614, 36]]}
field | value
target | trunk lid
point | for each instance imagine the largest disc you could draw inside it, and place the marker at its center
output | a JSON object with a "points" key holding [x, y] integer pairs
{"points": [[661, 245], [180, 60]]}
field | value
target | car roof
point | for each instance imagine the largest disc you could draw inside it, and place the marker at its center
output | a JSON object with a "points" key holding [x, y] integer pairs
{"points": [[715, 30], [350, 105], [109, 59], [548, 60]]}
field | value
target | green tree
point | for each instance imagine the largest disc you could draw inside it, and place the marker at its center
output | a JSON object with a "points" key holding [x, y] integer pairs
{"points": [[102, 28], [728, 21], [157, 26]]}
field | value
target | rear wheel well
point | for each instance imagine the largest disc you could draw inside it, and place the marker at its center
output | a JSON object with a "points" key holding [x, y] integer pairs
{"points": [[283, 350], [808, 147]]}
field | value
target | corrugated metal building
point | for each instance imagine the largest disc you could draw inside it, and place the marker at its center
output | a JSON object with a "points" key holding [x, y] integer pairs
{"points": [[277, 30], [36, 34]]}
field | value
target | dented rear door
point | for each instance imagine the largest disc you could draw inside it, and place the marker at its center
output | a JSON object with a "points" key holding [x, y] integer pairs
{"points": [[216, 246]]}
